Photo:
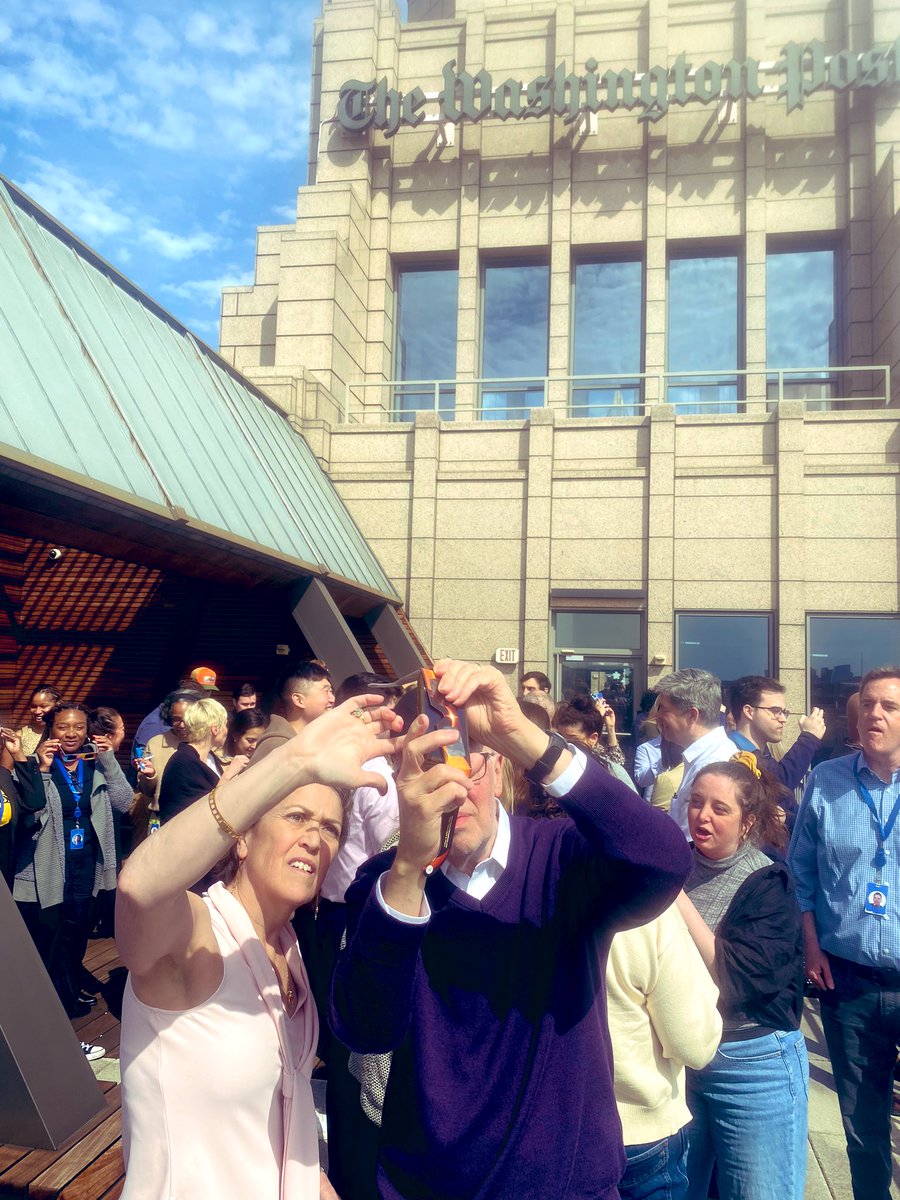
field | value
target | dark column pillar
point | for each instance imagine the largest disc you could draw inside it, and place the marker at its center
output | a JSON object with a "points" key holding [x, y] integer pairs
{"points": [[327, 632], [391, 635], [47, 1088]]}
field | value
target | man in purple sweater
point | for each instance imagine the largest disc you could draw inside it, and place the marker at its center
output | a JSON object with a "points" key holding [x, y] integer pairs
{"points": [[485, 978]]}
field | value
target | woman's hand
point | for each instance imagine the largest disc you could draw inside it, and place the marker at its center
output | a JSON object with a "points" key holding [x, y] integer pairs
{"points": [[333, 747], [235, 767], [45, 753], [146, 768], [608, 714], [102, 742], [12, 742]]}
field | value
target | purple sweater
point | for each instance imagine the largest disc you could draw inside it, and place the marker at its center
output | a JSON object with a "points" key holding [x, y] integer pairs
{"points": [[501, 1084]]}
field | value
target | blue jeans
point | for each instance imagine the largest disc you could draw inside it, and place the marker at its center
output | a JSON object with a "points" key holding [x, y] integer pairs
{"points": [[750, 1119], [656, 1170]]}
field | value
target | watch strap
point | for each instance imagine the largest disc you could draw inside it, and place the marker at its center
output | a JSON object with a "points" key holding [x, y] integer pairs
{"points": [[545, 764]]}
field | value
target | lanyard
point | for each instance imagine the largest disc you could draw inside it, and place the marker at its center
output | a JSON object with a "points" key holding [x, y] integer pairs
{"points": [[77, 789], [884, 831]]}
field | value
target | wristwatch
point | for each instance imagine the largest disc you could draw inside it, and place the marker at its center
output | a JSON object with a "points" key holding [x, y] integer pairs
{"points": [[545, 764]]}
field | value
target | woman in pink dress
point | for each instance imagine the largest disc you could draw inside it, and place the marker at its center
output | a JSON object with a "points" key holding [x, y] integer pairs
{"points": [[218, 1026]]}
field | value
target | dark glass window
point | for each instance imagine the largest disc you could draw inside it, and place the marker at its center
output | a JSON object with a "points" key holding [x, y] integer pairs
{"points": [[728, 644], [841, 650], [426, 339], [607, 339], [611, 631], [801, 331], [516, 325], [703, 333]]}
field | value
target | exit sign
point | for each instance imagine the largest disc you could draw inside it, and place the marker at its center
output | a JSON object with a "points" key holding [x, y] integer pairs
{"points": [[506, 654]]}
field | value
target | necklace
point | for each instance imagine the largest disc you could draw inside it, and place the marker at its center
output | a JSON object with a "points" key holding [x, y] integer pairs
{"points": [[284, 986]]}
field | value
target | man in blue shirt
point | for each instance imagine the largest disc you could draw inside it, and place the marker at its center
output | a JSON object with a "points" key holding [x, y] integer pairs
{"points": [[845, 856]]}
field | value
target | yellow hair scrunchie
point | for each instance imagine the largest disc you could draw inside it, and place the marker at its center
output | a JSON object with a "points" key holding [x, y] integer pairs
{"points": [[747, 759]]}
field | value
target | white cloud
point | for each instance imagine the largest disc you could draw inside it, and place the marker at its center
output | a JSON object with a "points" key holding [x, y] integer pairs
{"points": [[89, 211], [208, 330], [178, 246], [91, 12], [209, 291], [235, 37], [287, 212], [174, 84], [152, 35]]}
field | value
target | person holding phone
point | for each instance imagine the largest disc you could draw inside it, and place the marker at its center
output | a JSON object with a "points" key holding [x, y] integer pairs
{"points": [[65, 850], [485, 976]]}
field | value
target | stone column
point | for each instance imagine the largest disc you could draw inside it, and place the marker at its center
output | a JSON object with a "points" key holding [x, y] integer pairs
{"points": [[789, 550], [537, 530], [420, 594], [660, 567]]}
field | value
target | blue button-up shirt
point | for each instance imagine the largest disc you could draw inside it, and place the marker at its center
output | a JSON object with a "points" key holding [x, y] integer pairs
{"points": [[831, 857]]}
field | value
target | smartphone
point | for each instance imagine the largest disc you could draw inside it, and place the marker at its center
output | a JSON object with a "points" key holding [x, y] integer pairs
{"points": [[143, 758], [423, 698]]}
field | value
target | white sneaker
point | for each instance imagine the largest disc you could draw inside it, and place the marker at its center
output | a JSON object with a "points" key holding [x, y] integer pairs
{"points": [[92, 1052]]}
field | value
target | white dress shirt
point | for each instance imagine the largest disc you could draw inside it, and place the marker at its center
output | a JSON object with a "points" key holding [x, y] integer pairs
{"points": [[486, 874], [371, 821], [715, 746]]}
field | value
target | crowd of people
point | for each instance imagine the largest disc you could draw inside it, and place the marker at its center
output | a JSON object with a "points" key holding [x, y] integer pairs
{"points": [[597, 991]]}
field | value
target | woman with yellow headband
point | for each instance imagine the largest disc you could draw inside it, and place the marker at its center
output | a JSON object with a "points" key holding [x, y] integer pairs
{"points": [[749, 1105]]}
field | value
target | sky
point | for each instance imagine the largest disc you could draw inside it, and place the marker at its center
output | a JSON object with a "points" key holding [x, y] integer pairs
{"points": [[161, 133]]}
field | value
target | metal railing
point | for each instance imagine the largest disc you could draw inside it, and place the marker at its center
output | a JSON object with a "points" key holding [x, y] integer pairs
{"points": [[758, 390]]}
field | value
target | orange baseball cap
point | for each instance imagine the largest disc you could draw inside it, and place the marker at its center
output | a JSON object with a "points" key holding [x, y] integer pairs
{"points": [[205, 677]]}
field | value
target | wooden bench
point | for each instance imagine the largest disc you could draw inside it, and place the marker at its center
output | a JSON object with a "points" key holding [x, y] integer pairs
{"points": [[89, 1166]]}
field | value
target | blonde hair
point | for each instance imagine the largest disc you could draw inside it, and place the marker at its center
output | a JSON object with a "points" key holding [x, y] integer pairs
{"points": [[200, 717]]}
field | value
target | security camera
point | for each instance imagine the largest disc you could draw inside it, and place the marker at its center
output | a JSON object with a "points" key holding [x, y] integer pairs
{"points": [[54, 555]]}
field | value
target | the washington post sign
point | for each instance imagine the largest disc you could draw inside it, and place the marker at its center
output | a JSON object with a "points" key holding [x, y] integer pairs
{"points": [[800, 71]]}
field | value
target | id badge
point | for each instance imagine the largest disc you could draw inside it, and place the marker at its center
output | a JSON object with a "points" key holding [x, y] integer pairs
{"points": [[76, 839], [876, 899]]}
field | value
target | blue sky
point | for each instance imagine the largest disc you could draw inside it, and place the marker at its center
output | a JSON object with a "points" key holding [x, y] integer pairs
{"points": [[160, 133]]}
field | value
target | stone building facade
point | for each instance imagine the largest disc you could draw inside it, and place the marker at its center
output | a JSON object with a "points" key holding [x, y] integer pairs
{"points": [[655, 272]]}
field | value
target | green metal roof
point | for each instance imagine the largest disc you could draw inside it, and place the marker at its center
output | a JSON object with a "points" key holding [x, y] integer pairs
{"points": [[97, 379]]}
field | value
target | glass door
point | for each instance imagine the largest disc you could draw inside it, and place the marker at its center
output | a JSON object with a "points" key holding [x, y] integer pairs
{"points": [[614, 677]]}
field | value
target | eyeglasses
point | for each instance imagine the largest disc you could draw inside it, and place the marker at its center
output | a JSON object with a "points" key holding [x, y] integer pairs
{"points": [[774, 709], [479, 772]]}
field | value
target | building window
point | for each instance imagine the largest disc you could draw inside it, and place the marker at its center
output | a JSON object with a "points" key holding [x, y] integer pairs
{"points": [[426, 340], [801, 331], [702, 324], [607, 339], [601, 651], [728, 644], [841, 650], [514, 346]]}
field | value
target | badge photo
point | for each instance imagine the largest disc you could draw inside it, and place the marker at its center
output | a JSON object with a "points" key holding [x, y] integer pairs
{"points": [[876, 899]]}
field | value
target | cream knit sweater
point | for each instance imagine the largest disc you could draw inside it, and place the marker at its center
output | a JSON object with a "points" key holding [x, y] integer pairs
{"points": [[662, 1018]]}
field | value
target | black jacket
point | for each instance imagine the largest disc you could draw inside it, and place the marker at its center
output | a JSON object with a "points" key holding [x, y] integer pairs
{"points": [[185, 779], [759, 956]]}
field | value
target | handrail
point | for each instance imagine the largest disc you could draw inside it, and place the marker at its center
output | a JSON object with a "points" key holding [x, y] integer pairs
{"points": [[559, 391]]}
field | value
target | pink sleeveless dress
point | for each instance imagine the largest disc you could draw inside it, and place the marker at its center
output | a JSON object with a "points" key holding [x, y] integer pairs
{"points": [[216, 1100]]}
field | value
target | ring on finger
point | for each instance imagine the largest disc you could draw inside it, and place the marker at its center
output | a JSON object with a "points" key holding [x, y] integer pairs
{"points": [[359, 713]]}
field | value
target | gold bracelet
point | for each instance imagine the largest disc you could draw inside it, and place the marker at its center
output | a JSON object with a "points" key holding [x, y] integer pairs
{"points": [[220, 820]]}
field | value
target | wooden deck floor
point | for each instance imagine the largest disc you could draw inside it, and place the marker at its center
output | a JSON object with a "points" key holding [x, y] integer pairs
{"points": [[89, 1165]]}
